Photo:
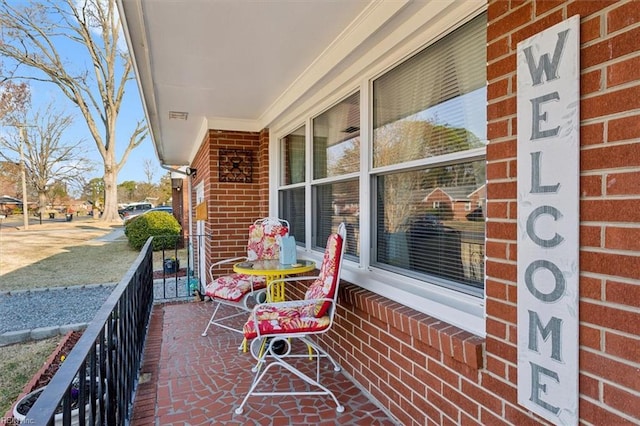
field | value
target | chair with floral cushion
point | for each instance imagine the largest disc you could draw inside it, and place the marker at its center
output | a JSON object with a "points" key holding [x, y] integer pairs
{"points": [[237, 290], [273, 328]]}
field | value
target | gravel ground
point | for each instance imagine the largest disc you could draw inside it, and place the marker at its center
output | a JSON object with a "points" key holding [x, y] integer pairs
{"points": [[26, 310]]}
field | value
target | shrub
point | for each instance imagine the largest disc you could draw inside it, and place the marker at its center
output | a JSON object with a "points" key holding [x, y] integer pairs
{"points": [[161, 225]]}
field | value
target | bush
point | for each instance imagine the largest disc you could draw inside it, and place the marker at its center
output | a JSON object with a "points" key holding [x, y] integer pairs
{"points": [[153, 224]]}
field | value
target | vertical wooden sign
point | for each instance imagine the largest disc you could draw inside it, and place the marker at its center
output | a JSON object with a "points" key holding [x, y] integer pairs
{"points": [[548, 67]]}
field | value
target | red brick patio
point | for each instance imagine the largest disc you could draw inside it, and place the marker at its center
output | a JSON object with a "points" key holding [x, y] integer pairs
{"points": [[188, 379]]}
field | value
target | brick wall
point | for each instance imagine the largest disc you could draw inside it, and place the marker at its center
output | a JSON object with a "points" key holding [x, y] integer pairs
{"points": [[231, 206], [609, 203]]}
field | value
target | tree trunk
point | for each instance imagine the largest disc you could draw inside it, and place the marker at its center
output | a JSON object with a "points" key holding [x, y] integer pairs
{"points": [[110, 213], [42, 202]]}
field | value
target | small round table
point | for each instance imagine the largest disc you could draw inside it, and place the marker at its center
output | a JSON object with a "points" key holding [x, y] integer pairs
{"points": [[272, 270]]}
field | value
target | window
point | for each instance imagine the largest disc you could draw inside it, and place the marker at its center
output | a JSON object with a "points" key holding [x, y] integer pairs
{"points": [[415, 213], [429, 119], [291, 199], [336, 158]]}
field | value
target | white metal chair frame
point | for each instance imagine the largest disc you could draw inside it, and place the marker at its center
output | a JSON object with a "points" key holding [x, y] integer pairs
{"points": [[272, 350], [255, 294]]}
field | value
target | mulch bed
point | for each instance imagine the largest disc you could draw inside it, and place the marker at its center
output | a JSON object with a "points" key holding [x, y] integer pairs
{"points": [[44, 376]]}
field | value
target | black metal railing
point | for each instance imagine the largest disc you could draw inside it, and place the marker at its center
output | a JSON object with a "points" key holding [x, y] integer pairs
{"points": [[180, 266], [97, 380]]}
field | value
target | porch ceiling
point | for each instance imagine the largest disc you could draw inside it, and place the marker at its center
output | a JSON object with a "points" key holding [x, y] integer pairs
{"points": [[236, 65]]}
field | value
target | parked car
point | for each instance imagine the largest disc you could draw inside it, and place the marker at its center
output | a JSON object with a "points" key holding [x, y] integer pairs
{"points": [[135, 209], [167, 209]]}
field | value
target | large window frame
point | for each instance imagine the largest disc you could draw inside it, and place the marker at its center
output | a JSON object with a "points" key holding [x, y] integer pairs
{"points": [[463, 309]]}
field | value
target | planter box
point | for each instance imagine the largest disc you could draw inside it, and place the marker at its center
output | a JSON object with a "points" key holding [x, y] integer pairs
{"points": [[58, 418], [171, 266]]}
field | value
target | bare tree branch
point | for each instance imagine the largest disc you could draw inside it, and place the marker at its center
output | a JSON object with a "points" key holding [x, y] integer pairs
{"points": [[32, 35], [49, 157]]}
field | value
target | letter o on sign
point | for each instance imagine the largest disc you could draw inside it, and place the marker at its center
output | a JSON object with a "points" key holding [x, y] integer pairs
{"points": [[559, 286]]}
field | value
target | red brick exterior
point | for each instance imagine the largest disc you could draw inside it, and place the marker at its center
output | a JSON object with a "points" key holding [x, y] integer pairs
{"points": [[427, 372], [610, 156], [231, 206]]}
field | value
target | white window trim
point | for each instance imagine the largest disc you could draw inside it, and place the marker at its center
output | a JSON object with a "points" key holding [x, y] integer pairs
{"points": [[454, 307]]}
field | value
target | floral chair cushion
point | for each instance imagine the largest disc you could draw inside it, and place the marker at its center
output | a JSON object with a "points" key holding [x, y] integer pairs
{"points": [[325, 285], [263, 239], [233, 287], [272, 320], [303, 317]]}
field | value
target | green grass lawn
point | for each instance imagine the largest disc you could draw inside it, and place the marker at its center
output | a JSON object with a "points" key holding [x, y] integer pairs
{"points": [[18, 363]]}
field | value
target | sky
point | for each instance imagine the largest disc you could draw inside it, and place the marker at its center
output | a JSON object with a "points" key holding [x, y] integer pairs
{"points": [[131, 111]]}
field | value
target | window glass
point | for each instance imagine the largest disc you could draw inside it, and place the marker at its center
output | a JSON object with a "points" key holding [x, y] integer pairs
{"points": [[424, 226], [293, 158], [335, 203], [426, 190], [435, 102], [336, 139], [429, 117], [291, 203]]}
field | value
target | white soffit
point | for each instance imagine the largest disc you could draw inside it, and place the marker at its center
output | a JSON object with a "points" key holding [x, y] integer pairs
{"points": [[236, 64]]}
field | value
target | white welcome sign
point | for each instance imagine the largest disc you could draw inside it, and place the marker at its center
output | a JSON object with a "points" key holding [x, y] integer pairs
{"points": [[548, 68]]}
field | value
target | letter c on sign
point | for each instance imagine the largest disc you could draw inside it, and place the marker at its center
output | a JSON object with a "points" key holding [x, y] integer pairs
{"points": [[531, 232]]}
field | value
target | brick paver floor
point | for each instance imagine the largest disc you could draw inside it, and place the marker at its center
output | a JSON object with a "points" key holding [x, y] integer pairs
{"points": [[188, 379]]}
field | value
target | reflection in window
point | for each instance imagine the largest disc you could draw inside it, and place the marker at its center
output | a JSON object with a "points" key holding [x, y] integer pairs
{"points": [[336, 139], [429, 118], [424, 225], [291, 204], [291, 198], [293, 161], [336, 153], [435, 102], [335, 203]]}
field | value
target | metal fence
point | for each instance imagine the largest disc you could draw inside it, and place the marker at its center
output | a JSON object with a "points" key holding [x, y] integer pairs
{"points": [[179, 270], [97, 380]]}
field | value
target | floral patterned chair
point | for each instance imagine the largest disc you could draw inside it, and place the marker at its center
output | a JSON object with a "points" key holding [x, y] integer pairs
{"points": [[237, 289], [272, 327]]}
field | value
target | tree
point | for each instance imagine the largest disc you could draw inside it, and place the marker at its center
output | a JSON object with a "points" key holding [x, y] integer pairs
{"points": [[149, 170], [36, 35], [165, 192], [127, 191], [48, 157], [10, 178], [14, 97], [94, 192]]}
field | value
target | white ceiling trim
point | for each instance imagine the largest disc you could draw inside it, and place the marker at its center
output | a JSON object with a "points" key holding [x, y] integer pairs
{"points": [[369, 21], [427, 23], [238, 124]]}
